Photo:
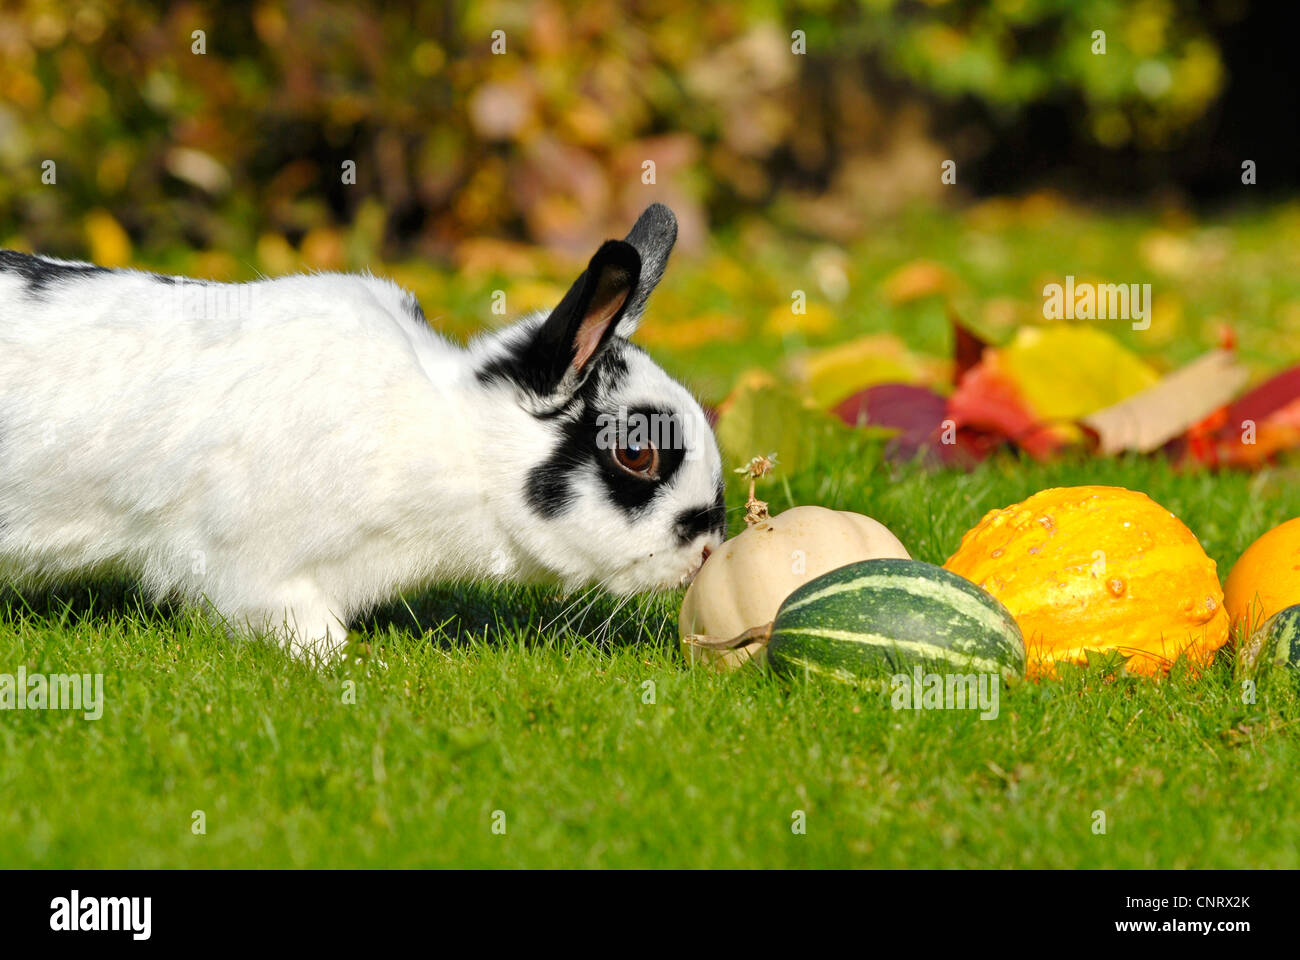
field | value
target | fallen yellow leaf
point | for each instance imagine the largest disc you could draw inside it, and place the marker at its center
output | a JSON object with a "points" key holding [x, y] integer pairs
{"points": [[710, 327], [920, 278], [833, 373], [108, 242], [817, 318], [1066, 372], [915, 280]]}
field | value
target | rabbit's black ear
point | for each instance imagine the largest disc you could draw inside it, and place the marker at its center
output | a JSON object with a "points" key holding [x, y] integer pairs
{"points": [[653, 236], [580, 328]]}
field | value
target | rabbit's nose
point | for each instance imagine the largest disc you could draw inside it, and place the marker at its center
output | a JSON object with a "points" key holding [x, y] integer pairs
{"points": [[707, 550]]}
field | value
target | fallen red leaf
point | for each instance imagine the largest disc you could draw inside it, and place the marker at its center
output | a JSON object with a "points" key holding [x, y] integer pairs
{"points": [[1266, 399], [1199, 442], [988, 402], [1258, 425], [922, 420], [967, 348], [916, 412]]}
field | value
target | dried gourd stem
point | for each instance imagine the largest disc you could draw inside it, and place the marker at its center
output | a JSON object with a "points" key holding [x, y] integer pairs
{"points": [[756, 509], [753, 634]]}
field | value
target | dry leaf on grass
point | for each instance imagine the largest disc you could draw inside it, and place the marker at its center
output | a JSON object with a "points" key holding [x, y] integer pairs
{"points": [[1148, 420]]}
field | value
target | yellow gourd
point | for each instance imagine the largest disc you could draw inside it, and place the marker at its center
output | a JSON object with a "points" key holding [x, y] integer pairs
{"points": [[1098, 569], [1266, 578]]}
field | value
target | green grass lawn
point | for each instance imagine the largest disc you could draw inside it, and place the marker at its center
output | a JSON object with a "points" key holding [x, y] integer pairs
{"points": [[505, 708], [599, 747]]}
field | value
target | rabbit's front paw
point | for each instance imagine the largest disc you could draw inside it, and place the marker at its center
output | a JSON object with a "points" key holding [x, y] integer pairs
{"points": [[313, 634]]}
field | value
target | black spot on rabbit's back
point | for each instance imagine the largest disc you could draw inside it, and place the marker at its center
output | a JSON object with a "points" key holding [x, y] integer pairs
{"points": [[414, 310], [40, 273]]}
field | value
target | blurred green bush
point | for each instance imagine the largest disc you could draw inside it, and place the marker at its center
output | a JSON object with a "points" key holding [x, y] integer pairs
{"points": [[231, 126]]}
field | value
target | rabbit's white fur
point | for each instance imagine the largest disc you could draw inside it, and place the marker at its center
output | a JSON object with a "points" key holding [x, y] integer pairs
{"points": [[292, 451]]}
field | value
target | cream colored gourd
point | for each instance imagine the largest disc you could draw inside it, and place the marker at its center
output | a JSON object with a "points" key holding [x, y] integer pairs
{"points": [[742, 584]]}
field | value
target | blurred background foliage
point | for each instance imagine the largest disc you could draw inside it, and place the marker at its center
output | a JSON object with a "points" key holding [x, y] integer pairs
{"points": [[244, 144], [817, 170]]}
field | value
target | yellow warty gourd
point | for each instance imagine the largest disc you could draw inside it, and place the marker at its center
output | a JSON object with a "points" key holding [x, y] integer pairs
{"points": [[1098, 569]]}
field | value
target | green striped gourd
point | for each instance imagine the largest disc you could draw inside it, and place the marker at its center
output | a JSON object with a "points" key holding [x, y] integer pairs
{"points": [[863, 622], [1275, 643]]}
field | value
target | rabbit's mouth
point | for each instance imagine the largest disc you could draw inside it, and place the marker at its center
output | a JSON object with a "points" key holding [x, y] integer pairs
{"points": [[691, 574], [663, 570]]}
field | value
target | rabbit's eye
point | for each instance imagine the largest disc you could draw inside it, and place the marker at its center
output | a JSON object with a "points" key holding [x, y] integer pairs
{"points": [[643, 461]]}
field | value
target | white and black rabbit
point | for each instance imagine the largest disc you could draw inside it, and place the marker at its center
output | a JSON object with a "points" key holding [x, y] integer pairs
{"points": [[292, 451]]}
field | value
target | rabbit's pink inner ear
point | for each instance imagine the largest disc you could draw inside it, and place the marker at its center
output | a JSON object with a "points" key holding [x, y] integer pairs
{"points": [[612, 291]]}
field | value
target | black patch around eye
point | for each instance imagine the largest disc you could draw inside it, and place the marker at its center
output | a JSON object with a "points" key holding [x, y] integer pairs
{"points": [[584, 443], [707, 519], [39, 273]]}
